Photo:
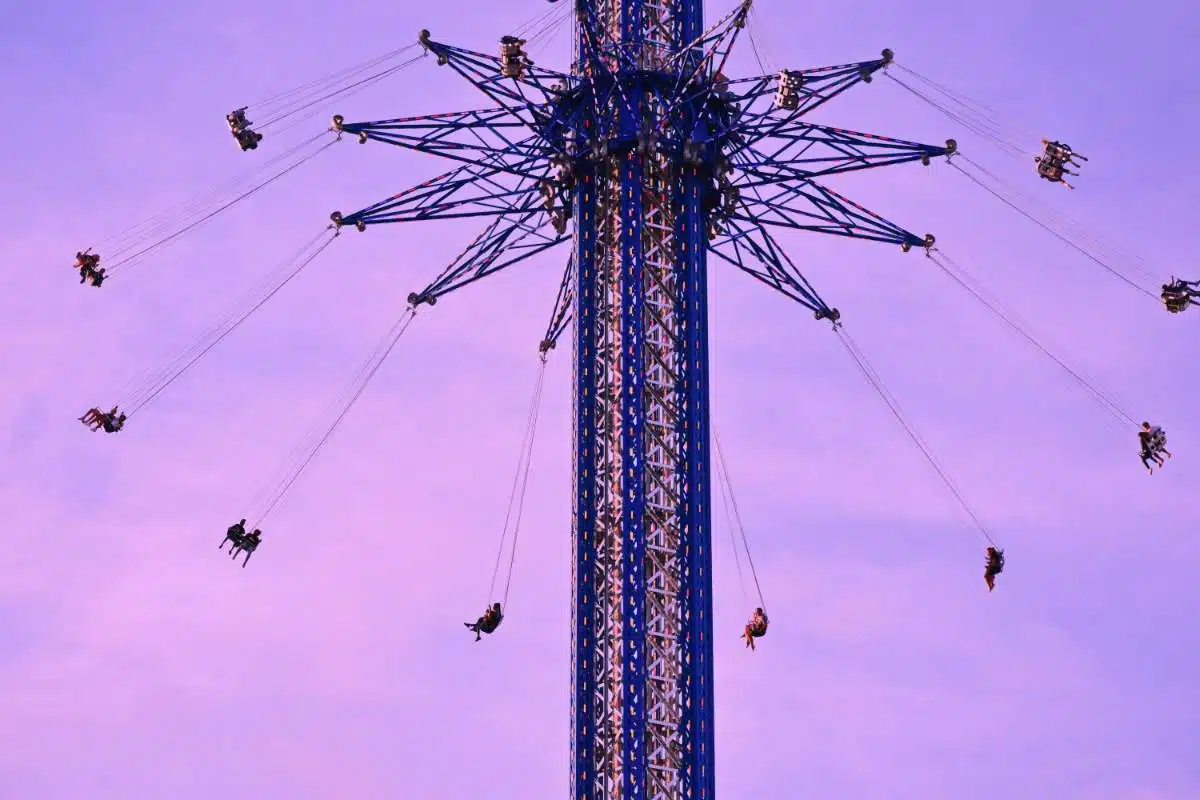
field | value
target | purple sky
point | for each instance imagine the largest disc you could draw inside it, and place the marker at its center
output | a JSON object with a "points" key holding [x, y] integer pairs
{"points": [[135, 662]]}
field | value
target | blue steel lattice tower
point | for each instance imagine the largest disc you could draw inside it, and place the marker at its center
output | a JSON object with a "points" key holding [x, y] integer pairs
{"points": [[643, 692], [642, 623], [657, 160]]}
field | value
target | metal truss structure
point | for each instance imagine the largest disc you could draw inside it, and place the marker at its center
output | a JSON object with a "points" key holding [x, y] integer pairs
{"points": [[648, 158]]}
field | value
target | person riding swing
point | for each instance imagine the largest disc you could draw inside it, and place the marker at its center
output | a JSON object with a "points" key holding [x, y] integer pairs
{"points": [[488, 623], [756, 628], [236, 536], [994, 566], [249, 545]]}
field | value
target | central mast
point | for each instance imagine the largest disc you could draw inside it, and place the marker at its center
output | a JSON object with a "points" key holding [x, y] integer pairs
{"points": [[642, 622]]}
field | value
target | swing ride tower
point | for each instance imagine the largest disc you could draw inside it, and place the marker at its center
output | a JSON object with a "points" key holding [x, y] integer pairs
{"points": [[649, 164], [656, 160]]}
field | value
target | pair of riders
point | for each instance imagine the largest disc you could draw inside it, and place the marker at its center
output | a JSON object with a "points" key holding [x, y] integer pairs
{"points": [[88, 264], [1179, 294], [111, 421], [1153, 441], [993, 567], [513, 58], [239, 126], [240, 541], [1052, 163]]}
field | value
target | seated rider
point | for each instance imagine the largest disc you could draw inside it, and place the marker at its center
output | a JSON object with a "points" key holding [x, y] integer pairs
{"points": [[755, 628], [1190, 288], [994, 566], [94, 418], [249, 544], [112, 422], [488, 623], [247, 139], [237, 120], [1147, 452], [97, 419], [1052, 170], [236, 535], [1062, 153]]}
